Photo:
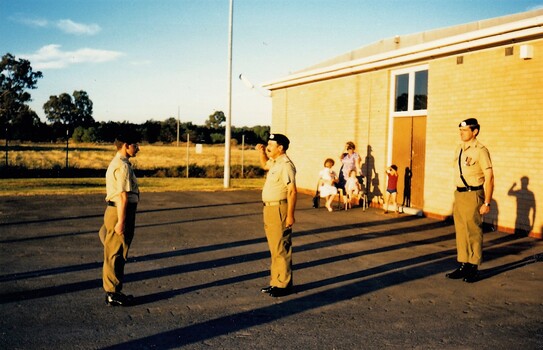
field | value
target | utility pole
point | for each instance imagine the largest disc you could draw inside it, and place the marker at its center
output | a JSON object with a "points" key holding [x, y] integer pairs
{"points": [[67, 139], [178, 126], [242, 153]]}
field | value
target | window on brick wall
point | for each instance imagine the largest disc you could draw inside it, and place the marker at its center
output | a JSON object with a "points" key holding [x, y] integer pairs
{"points": [[410, 94]]}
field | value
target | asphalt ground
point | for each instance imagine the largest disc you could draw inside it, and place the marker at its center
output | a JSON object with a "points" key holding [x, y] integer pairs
{"points": [[363, 280]]}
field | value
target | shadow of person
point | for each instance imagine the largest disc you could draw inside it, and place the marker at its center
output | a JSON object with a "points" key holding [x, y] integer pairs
{"points": [[524, 223], [376, 192], [368, 171], [488, 273], [406, 202]]}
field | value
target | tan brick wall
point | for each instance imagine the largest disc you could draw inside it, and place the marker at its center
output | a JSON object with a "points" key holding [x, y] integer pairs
{"points": [[504, 92], [320, 118]]}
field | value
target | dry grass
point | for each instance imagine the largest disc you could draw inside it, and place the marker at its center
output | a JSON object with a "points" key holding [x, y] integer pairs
{"points": [[150, 157], [92, 156]]}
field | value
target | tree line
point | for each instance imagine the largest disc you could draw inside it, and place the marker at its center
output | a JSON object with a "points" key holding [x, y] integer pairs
{"points": [[70, 117]]}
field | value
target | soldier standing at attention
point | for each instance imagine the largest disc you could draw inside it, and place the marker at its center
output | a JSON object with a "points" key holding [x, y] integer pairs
{"points": [[279, 199], [474, 181], [117, 231]]}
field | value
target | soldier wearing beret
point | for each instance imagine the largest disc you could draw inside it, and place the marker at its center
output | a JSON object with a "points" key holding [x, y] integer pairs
{"points": [[117, 232], [474, 180], [279, 199]]}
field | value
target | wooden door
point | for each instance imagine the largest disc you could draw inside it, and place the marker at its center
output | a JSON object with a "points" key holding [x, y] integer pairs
{"points": [[408, 153]]}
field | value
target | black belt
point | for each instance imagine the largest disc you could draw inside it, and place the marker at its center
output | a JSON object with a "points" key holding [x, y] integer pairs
{"points": [[282, 201], [469, 188], [113, 204]]}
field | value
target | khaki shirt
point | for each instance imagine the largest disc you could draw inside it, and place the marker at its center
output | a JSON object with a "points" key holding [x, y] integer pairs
{"points": [[475, 159], [282, 172], [120, 178]]}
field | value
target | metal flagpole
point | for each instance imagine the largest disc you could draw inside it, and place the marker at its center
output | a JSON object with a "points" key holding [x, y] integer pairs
{"points": [[228, 131]]}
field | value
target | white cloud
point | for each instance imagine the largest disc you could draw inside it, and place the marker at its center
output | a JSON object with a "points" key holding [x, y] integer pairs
{"points": [[52, 57], [31, 22], [71, 27], [37, 22], [66, 25]]}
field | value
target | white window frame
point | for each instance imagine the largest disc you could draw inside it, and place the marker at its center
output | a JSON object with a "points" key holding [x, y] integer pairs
{"points": [[410, 102], [411, 91]]}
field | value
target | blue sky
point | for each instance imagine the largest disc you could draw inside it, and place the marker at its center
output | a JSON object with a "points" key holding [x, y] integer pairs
{"points": [[148, 59]]}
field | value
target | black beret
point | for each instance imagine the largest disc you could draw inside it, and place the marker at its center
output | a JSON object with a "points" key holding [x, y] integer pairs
{"points": [[129, 137], [280, 139], [469, 122]]}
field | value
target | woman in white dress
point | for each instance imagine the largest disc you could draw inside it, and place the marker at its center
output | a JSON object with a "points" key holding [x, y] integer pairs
{"points": [[327, 180]]}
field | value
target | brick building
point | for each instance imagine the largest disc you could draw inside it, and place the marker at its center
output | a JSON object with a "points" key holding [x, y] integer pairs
{"points": [[400, 101]]}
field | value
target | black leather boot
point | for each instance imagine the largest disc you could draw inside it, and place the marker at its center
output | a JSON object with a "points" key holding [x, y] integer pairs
{"points": [[472, 275], [460, 272]]}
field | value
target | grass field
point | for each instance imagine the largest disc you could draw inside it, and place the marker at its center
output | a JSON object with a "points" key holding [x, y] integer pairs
{"points": [[97, 156], [92, 156]]}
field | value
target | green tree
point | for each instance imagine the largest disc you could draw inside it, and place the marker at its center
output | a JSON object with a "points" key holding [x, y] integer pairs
{"points": [[216, 138], [151, 131], [25, 125], [83, 109], [63, 110], [82, 134], [262, 132], [215, 120], [78, 133], [168, 130], [59, 109], [16, 77], [89, 135]]}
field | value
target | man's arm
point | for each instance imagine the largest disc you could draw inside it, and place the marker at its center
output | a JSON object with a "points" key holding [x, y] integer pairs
{"points": [[121, 213], [291, 201], [489, 189]]}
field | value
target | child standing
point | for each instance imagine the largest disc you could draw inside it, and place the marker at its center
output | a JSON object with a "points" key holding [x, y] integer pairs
{"points": [[392, 187]]}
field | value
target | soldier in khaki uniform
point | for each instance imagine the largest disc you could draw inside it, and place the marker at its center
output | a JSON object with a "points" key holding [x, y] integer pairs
{"points": [[117, 231], [474, 181], [279, 199]]}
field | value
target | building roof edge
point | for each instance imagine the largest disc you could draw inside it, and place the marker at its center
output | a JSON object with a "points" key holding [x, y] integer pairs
{"points": [[434, 43]]}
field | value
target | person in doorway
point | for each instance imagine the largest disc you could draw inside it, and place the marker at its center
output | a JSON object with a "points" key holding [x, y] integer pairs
{"points": [[327, 181], [279, 198], [117, 232], [474, 179], [392, 188]]}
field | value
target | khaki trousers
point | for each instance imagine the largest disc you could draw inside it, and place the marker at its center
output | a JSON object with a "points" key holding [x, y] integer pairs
{"points": [[280, 245], [468, 224], [116, 247]]}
